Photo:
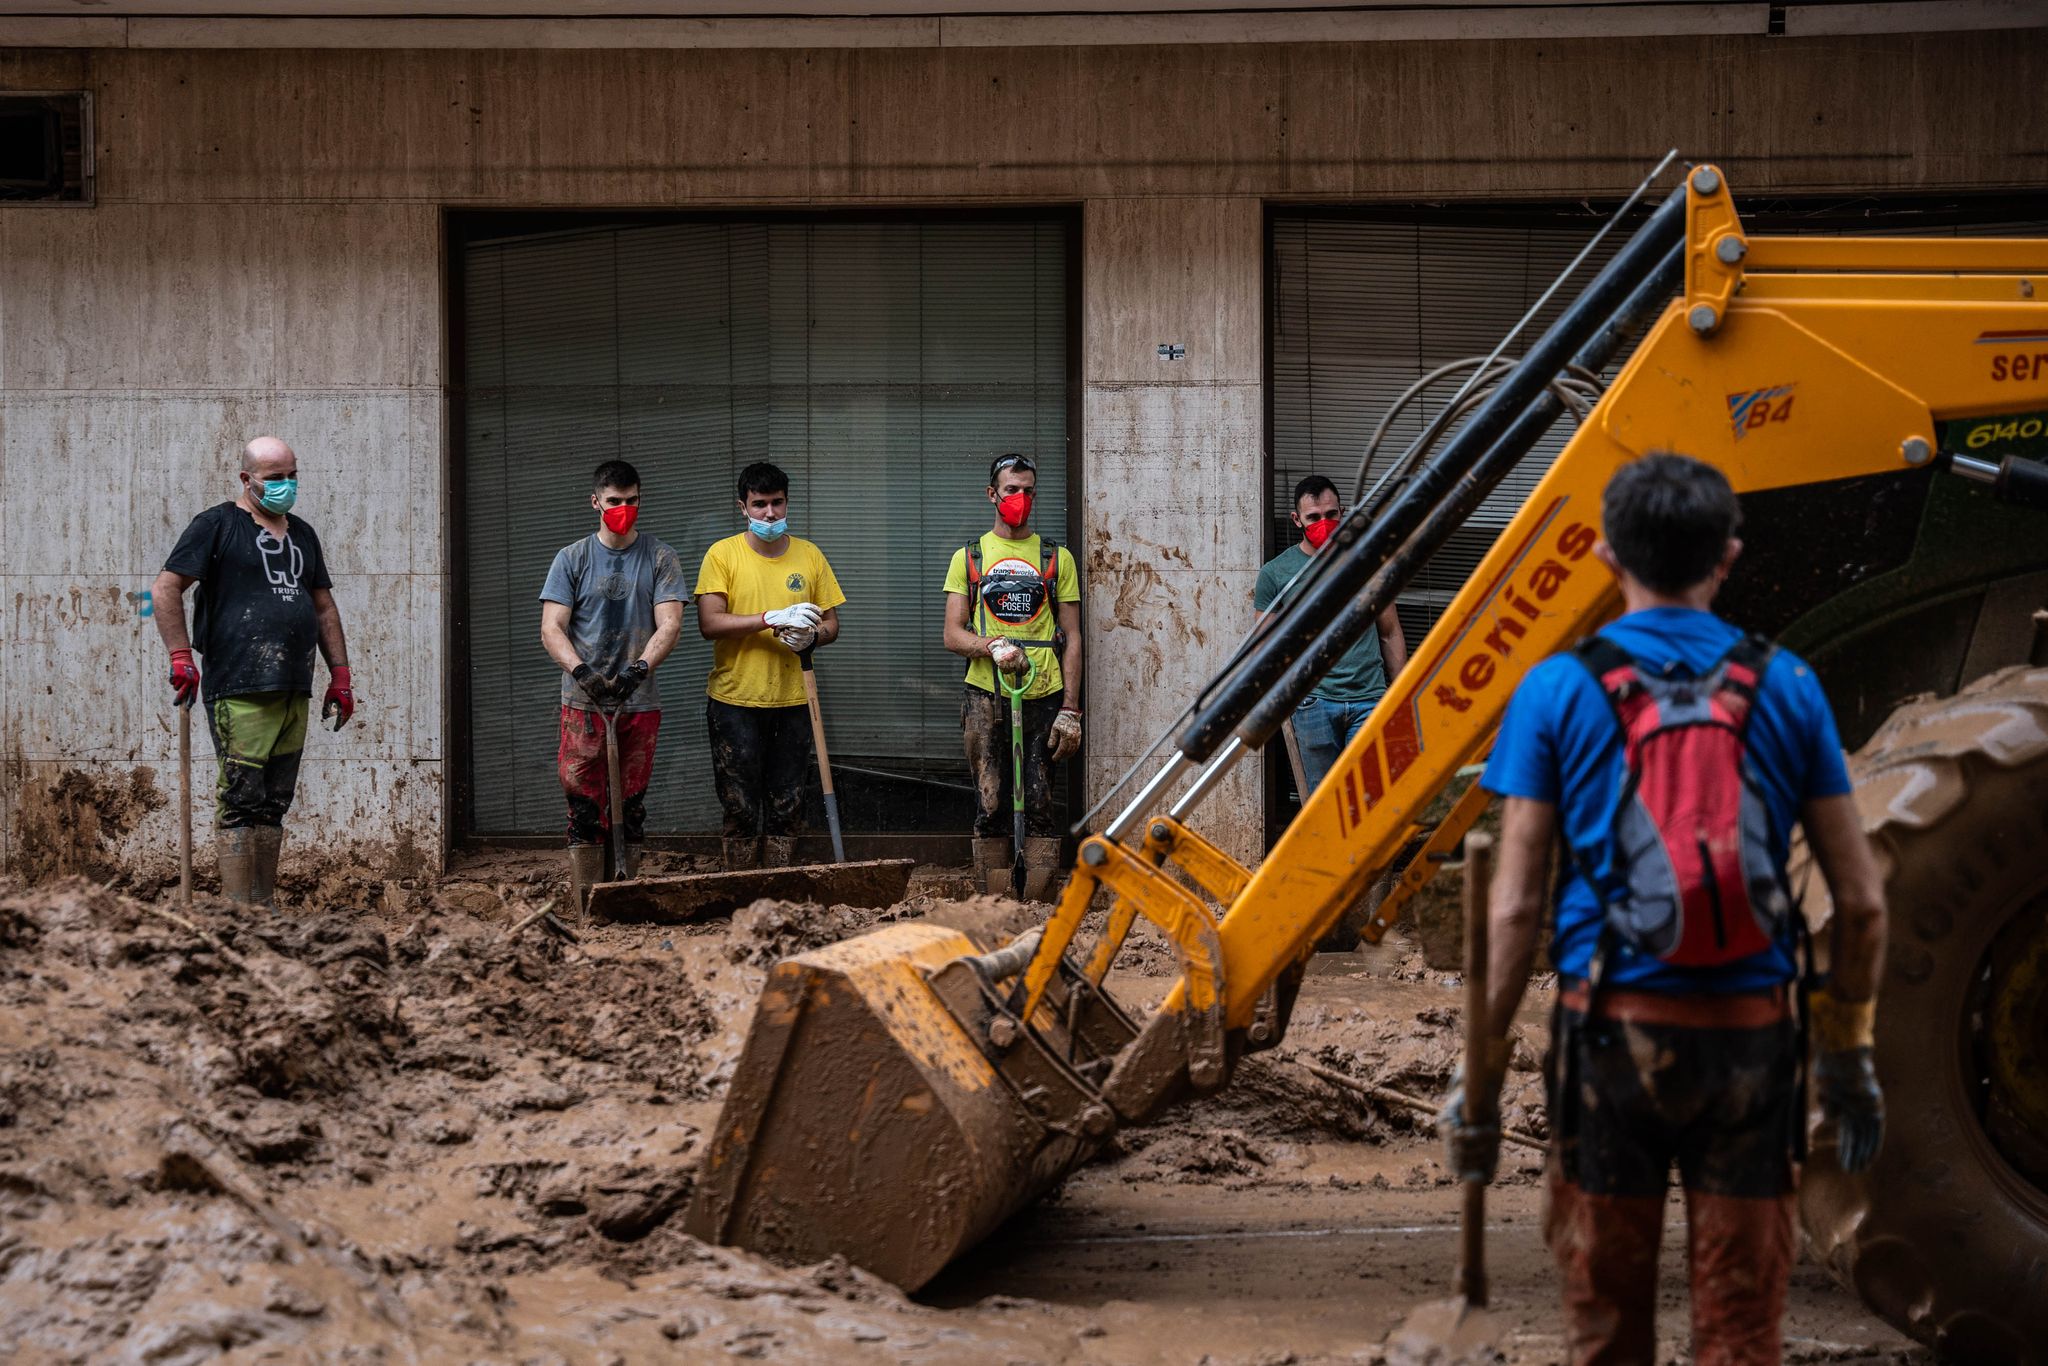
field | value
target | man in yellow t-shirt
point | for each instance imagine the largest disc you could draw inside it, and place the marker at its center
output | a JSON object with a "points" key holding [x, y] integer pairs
{"points": [[1013, 602], [763, 597]]}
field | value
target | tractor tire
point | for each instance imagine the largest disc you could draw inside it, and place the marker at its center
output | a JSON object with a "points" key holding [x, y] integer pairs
{"points": [[1946, 1235]]}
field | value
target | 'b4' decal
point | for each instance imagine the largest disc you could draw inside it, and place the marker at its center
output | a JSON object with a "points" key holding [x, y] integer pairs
{"points": [[1747, 412]]}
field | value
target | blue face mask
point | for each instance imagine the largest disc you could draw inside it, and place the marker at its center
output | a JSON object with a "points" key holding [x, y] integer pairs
{"points": [[276, 495], [769, 531]]}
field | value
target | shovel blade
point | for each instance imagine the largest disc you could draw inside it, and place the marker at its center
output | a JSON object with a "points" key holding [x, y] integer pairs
{"points": [[674, 900], [1450, 1332]]}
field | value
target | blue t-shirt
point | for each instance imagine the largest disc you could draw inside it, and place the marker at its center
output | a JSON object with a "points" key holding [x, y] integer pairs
{"points": [[1559, 743]]}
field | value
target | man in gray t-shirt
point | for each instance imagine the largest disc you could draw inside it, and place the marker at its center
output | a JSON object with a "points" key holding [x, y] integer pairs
{"points": [[611, 610], [1330, 716]]}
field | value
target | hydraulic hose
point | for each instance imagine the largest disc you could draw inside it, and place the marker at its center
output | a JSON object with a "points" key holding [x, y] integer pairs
{"points": [[1359, 615], [1355, 554]]}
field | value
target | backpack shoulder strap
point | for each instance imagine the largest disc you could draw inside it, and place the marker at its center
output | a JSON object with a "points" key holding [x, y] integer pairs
{"points": [[1613, 668], [1741, 672], [973, 563], [1051, 572]]}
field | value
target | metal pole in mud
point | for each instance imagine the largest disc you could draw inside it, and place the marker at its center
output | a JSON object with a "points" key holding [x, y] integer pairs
{"points": [[185, 806]]}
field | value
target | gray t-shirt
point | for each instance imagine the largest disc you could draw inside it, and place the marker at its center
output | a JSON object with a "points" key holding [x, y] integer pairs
{"points": [[1361, 675], [611, 596]]}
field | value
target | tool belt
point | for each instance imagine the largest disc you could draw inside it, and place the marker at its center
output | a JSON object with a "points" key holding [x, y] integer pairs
{"points": [[1583, 1006], [1690, 1010]]}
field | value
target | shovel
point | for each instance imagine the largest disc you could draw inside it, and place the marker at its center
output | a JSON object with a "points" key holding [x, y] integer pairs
{"points": [[185, 805], [616, 789], [824, 756], [693, 896], [1459, 1329], [1017, 836]]}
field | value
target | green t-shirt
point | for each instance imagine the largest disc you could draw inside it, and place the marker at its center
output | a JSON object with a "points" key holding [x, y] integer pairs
{"points": [[981, 673], [1361, 675]]}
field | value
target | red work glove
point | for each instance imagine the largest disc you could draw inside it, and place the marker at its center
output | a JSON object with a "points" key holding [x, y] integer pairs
{"points": [[184, 678], [339, 697]]}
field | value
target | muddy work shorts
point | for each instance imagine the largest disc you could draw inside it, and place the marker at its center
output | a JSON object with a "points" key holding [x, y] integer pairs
{"points": [[585, 773], [1711, 1085], [761, 764], [985, 725], [258, 739]]}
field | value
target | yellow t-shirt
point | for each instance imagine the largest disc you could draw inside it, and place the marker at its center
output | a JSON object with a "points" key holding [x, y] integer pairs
{"points": [[757, 670], [981, 673]]}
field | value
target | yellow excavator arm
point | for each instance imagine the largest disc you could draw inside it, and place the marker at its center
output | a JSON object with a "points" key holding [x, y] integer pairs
{"points": [[979, 1075]]}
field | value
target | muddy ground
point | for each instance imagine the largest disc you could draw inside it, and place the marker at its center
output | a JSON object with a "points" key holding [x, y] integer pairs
{"points": [[380, 1126]]}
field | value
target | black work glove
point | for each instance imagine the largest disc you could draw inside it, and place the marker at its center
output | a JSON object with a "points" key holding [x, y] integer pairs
{"points": [[627, 683], [1471, 1151], [1850, 1096], [595, 685]]}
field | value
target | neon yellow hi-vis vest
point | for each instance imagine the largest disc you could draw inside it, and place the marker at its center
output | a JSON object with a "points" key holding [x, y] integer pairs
{"points": [[1009, 596]]}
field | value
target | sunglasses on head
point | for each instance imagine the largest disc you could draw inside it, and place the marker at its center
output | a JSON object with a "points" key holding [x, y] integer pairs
{"points": [[1011, 462]]}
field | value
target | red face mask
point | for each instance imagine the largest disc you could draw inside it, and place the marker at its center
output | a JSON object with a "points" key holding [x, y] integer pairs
{"points": [[620, 519], [1015, 510], [1319, 532]]}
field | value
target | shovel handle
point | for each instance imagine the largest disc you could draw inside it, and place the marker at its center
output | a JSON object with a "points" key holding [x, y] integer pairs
{"points": [[615, 789], [185, 806], [824, 755], [1479, 1082]]}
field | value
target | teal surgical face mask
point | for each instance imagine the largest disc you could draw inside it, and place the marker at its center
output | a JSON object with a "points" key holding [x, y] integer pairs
{"points": [[769, 531], [275, 496]]}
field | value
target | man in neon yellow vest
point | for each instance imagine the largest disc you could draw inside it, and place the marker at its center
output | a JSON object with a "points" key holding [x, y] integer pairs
{"points": [[1013, 601]]}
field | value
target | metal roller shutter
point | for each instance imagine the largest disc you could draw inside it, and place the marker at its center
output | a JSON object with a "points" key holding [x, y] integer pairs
{"points": [[880, 363]]}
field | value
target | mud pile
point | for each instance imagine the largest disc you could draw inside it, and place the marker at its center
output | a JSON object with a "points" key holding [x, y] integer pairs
{"points": [[338, 1135]]}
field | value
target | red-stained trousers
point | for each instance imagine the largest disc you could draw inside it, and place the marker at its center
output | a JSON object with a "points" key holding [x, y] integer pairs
{"points": [[581, 763], [1710, 1083]]}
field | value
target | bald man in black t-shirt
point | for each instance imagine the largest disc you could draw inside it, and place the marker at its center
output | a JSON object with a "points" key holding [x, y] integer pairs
{"points": [[264, 604]]}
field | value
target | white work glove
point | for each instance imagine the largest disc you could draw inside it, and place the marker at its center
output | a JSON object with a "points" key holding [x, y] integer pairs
{"points": [[1066, 734], [1008, 655], [802, 616], [797, 639]]}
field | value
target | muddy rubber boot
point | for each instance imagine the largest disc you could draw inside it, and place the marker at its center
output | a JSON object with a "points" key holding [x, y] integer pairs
{"points": [[742, 854], [586, 870], [778, 851], [269, 843], [992, 871], [1041, 866], [631, 868], [237, 851]]}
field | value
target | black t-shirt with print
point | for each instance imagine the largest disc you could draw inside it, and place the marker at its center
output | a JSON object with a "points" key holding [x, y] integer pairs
{"points": [[253, 617]]}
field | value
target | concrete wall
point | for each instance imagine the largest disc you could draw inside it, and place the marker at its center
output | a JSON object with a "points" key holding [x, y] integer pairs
{"points": [[265, 255]]}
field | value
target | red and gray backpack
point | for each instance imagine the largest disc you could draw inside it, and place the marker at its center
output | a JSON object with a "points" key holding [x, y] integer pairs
{"points": [[1694, 866]]}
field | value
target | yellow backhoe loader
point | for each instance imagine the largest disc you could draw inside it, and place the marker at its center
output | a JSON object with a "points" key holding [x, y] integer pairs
{"points": [[902, 1093]]}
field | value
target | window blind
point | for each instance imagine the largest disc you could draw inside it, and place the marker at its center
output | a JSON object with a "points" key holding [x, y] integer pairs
{"points": [[882, 364]]}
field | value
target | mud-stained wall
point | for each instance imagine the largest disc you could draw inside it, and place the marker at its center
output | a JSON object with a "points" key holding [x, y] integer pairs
{"points": [[1172, 472], [265, 255]]}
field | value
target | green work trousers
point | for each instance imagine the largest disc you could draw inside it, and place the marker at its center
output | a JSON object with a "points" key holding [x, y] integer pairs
{"points": [[258, 738]]}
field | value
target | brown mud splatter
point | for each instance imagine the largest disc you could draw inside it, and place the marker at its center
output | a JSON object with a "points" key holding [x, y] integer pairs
{"points": [[75, 823]]}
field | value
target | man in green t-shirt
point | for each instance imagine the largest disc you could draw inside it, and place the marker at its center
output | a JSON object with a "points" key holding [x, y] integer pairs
{"points": [[1013, 602], [1328, 717]]}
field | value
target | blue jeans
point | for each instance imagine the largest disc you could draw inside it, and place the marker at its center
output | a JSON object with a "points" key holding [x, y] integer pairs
{"points": [[1322, 728]]}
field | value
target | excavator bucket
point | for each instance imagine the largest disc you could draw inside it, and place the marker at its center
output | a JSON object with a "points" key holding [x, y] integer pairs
{"points": [[869, 1116]]}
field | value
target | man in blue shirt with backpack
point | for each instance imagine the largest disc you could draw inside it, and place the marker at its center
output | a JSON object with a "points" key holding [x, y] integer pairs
{"points": [[1670, 756]]}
